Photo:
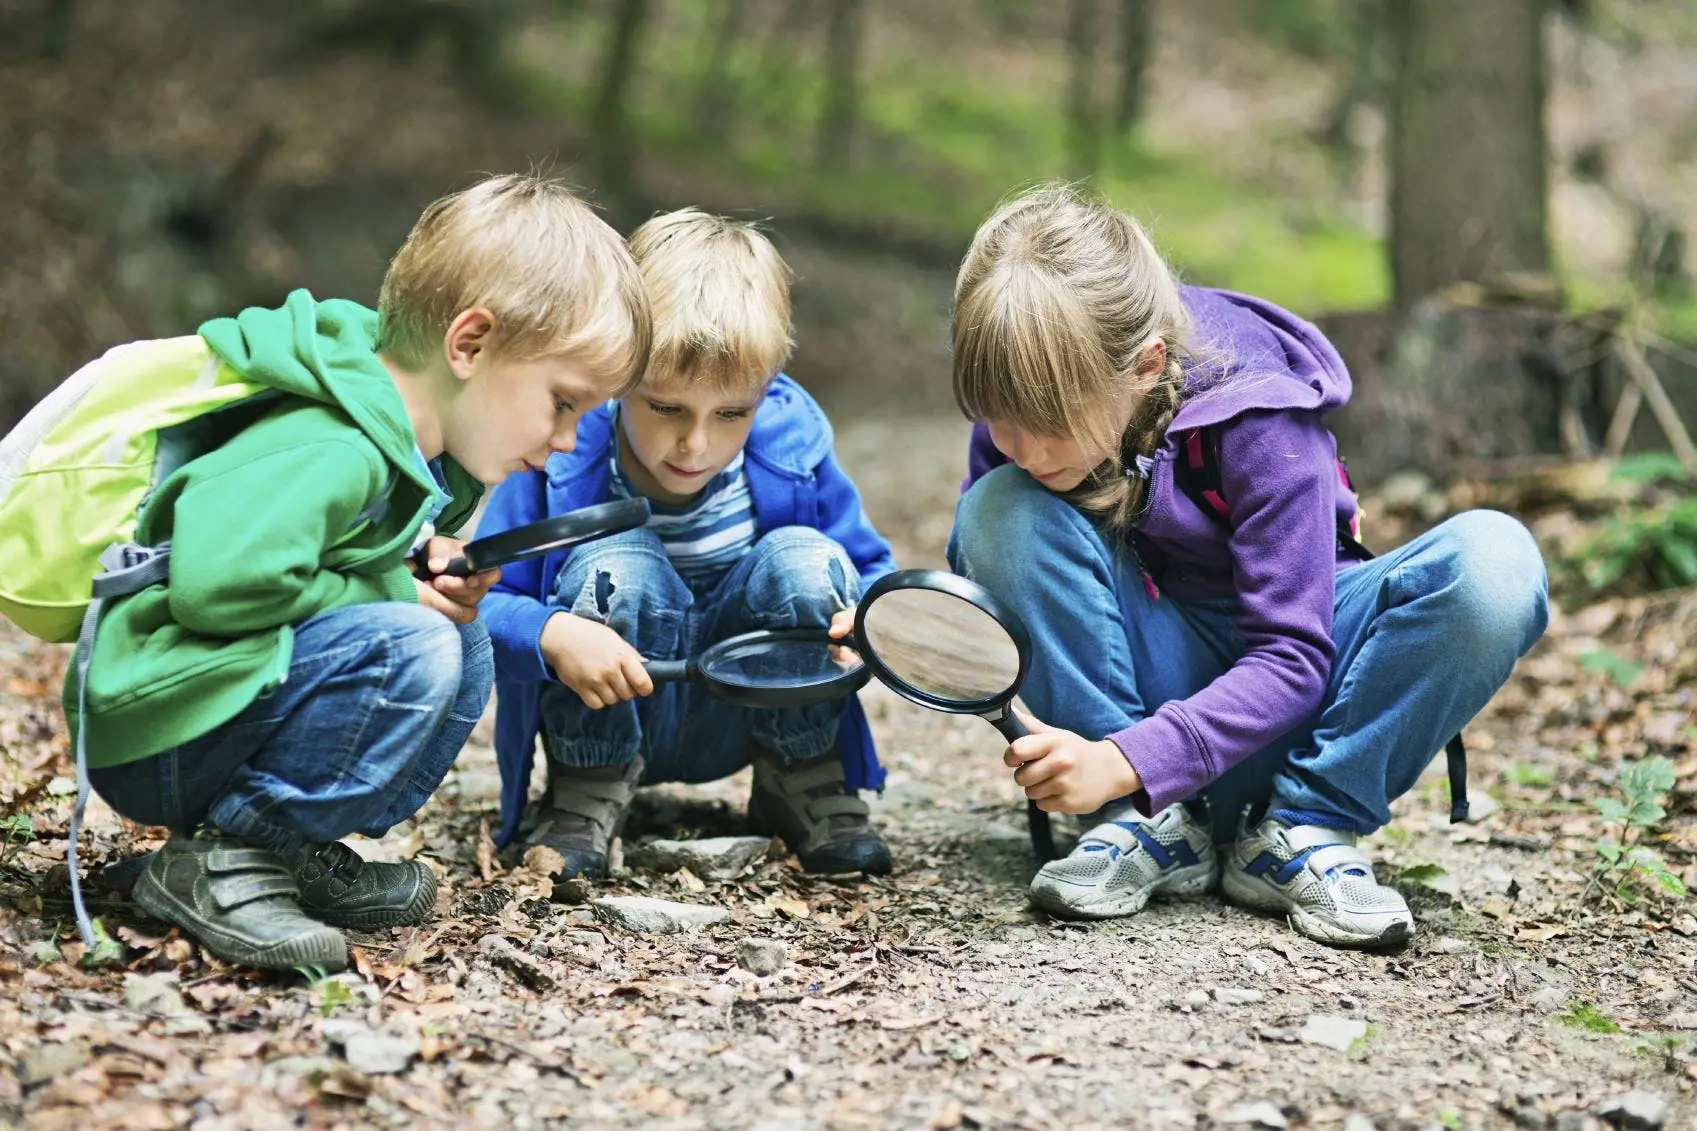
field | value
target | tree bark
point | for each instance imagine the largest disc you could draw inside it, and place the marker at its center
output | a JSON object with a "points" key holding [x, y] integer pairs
{"points": [[1467, 143], [1084, 143], [844, 36], [1137, 28], [614, 142], [713, 98]]}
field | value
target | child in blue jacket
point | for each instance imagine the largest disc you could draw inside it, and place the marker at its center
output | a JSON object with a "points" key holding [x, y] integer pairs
{"points": [[754, 526]]}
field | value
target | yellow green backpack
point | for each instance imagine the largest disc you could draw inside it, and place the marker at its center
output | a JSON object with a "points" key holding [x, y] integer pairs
{"points": [[74, 475]]}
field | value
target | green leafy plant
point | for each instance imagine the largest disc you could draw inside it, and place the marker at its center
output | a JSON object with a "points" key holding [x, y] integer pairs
{"points": [[15, 832], [1623, 672], [1628, 870], [1530, 774], [331, 993], [107, 951], [1638, 550], [1584, 1015]]}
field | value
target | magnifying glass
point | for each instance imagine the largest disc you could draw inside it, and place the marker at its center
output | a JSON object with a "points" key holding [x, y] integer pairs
{"points": [[536, 538], [944, 642], [771, 668]]}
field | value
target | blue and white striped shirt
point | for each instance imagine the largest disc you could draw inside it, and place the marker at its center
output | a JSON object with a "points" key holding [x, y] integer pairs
{"points": [[707, 536]]}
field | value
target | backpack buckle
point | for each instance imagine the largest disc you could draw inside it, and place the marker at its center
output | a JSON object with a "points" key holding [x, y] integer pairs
{"points": [[129, 568]]}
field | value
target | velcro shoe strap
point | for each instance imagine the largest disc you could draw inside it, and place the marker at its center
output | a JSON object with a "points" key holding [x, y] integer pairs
{"points": [[242, 858], [841, 805], [1111, 833], [231, 890], [814, 777], [1311, 836], [1343, 857]]}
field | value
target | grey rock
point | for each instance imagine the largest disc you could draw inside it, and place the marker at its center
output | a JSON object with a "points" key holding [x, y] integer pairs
{"points": [[521, 966], [1570, 1121], [1636, 1111], [660, 916], [713, 858], [1195, 998], [287, 1066], [1332, 1032], [1549, 999], [44, 1062], [1260, 1113], [1449, 945], [154, 993], [1237, 995], [1355, 1121], [761, 956], [719, 995], [379, 1054]]}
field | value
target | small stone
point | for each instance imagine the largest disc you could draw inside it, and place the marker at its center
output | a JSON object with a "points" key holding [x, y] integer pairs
{"points": [[1636, 1111], [660, 916], [521, 966], [1570, 1121], [1237, 995], [712, 858], [761, 956], [1449, 945], [576, 889], [61, 787], [379, 1054], [719, 995], [1355, 1121], [1332, 1032], [1260, 1113], [581, 915], [1195, 998], [287, 1066], [44, 1062], [1549, 999], [154, 993], [1480, 805]]}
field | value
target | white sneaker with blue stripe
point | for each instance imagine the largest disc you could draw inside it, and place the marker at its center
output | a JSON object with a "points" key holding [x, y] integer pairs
{"points": [[1118, 865], [1320, 881]]}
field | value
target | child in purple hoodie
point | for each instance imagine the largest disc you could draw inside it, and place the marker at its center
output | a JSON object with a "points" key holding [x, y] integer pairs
{"points": [[1190, 665]]}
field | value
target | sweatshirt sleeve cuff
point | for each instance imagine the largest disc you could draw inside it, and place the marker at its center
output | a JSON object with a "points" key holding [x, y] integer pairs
{"points": [[1169, 759], [515, 627]]}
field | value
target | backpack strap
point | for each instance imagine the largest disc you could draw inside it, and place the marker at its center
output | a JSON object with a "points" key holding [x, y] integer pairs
{"points": [[1197, 473]]}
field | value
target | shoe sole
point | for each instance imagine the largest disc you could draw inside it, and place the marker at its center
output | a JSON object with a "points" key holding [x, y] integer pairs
{"points": [[1246, 892], [414, 911], [1192, 880], [327, 949]]}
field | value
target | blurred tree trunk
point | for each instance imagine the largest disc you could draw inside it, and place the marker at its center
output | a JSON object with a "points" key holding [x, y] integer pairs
{"points": [[1467, 149], [714, 101], [1362, 84], [1084, 143], [1137, 29], [845, 33], [614, 142]]}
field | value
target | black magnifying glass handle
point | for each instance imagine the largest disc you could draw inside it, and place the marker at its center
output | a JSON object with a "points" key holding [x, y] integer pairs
{"points": [[1011, 727], [1009, 723], [667, 671], [457, 567]]}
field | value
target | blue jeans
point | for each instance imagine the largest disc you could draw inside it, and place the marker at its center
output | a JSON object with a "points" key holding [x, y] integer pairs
{"points": [[793, 577], [1425, 635], [378, 701]]}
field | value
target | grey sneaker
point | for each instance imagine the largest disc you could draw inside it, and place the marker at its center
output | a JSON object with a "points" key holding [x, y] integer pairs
{"points": [[241, 902], [341, 888], [807, 805], [584, 809], [1120, 864], [1320, 881]]}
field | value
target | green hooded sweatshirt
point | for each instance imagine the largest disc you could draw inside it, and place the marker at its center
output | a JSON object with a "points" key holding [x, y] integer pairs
{"points": [[267, 529]]}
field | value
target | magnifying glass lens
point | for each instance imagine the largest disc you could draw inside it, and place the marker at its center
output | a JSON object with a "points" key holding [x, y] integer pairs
{"points": [[941, 645]]}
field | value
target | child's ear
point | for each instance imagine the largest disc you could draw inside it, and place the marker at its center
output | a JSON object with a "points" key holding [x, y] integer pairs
{"points": [[1153, 359], [468, 335]]}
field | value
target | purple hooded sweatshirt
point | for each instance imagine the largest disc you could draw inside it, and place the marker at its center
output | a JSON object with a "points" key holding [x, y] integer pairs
{"points": [[1265, 379]]}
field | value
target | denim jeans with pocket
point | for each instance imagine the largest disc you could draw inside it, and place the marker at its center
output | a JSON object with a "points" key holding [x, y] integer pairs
{"points": [[1425, 635], [377, 703], [793, 577]]}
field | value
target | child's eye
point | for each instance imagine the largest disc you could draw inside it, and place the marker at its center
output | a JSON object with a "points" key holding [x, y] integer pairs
{"points": [[733, 414], [663, 409], [562, 406]]}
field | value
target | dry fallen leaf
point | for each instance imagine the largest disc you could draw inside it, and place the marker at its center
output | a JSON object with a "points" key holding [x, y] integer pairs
{"points": [[794, 908]]}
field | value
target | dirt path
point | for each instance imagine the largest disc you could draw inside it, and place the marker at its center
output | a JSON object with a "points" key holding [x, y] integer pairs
{"points": [[936, 998]]}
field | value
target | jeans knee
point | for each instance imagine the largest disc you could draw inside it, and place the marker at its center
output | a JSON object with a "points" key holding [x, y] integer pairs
{"points": [[619, 579], [423, 652], [1005, 519], [802, 575], [1498, 587], [477, 660]]}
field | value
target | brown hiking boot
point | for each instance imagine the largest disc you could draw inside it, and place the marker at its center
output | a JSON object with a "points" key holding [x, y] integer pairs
{"points": [[239, 901], [583, 810], [823, 824]]}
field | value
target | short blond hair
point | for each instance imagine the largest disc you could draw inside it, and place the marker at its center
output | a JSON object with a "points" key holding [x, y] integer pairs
{"points": [[1055, 300], [557, 278], [720, 296]]}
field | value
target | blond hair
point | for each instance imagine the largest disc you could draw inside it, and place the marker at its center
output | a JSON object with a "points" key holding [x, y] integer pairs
{"points": [[720, 293], [558, 280], [1058, 297]]}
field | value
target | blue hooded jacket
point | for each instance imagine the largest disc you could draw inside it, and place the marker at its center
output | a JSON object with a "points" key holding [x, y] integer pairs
{"points": [[794, 481]]}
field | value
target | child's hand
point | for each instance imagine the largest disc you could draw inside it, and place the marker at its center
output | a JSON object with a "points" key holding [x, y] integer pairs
{"points": [[842, 623], [1067, 773], [454, 597], [593, 661]]}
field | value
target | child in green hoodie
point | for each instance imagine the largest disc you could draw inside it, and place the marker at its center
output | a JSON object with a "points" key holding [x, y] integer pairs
{"points": [[292, 682]]}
